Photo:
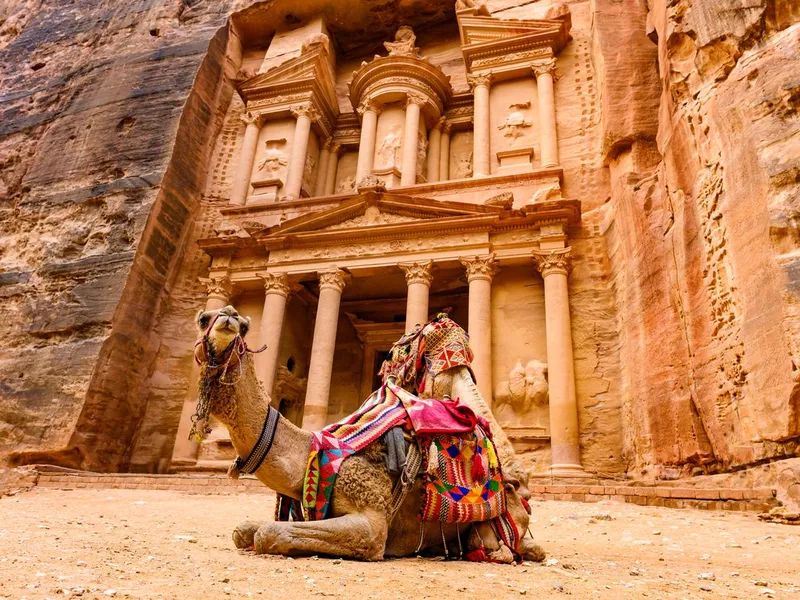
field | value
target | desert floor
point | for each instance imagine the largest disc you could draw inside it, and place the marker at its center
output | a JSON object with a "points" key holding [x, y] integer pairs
{"points": [[167, 544]]}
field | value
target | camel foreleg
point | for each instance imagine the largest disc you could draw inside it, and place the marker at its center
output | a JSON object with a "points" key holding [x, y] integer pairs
{"points": [[356, 535]]}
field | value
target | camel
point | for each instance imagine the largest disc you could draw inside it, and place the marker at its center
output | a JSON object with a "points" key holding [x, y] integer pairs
{"points": [[359, 526]]}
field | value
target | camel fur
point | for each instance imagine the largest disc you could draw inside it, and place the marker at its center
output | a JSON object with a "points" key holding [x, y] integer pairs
{"points": [[358, 526]]}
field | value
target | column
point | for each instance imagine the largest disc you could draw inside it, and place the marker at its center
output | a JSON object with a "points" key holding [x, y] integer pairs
{"points": [[331, 284], [480, 272], [410, 137], [548, 136], [276, 291], [434, 150], [333, 166], [366, 146], [219, 291], [444, 153], [297, 161], [418, 280], [554, 265], [322, 169], [241, 181], [481, 144]]}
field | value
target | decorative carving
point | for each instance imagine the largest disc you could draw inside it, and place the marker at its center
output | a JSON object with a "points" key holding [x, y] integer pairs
{"points": [[526, 390], [547, 193], [274, 160], [417, 272], [544, 65], [308, 171], [463, 166], [280, 99], [479, 79], [415, 98], [368, 104], [305, 110], [403, 44], [333, 278], [510, 57], [446, 127], [422, 153], [218, 287], [250, 118], [550, 262], [514, 123], [371, 181], [465, 4], [348, 184], [275, 283], [372, 216], [504, 200], [480, 267], [390, 147], [315, 39], [335, 148]]}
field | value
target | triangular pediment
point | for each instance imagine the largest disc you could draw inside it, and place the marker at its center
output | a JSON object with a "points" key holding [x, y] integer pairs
{"points": [[371, 210]]}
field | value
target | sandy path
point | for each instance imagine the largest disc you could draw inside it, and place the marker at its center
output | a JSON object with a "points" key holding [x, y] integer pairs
{"points": [[163, 544]]}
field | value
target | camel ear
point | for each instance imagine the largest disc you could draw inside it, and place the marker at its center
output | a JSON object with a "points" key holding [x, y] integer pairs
{"points": [[244, 325], [203, 318]]}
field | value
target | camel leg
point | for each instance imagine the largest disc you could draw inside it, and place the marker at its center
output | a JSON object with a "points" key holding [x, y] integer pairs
{"points": [[355, 535], [245, 534]]}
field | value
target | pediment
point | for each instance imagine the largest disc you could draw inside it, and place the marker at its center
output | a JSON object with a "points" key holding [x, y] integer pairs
{"points": [[372, 210]]}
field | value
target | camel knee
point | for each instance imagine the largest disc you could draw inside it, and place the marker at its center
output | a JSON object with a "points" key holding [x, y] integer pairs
{"points": [[245, 533], [267, 539], [530, 550]]}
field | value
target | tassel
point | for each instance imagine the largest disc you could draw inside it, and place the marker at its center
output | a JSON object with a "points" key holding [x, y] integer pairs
{"points": [[233, 471], [493, 463], [433, 459], [478, 472]]}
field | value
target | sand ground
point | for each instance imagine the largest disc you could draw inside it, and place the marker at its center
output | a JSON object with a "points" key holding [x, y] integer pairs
{"points": [[166, 544]]}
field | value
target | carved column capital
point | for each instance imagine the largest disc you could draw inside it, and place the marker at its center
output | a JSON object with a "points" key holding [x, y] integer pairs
{"points": [[480, 267], [335, 148], [275, 283], [250, 118], [305, 110], [446, 127], [333, 279], [367, 104], [544, 65], [417, 272], [550, 262], [218, 287], [479, 79], [414, 98], [328, 145]]}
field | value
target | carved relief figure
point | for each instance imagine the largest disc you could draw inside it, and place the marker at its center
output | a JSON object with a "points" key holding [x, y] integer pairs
{"points": [[274, 160], [514, 123], [390, 148], [422, 154], [308, 173], [403, 44], [463, 166], [520, 399], [348, 184]]}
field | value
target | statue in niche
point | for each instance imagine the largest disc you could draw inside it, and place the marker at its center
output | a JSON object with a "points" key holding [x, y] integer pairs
{"points": [[390, 148], [463, 166], [308, 172], [522, 398], [274, 160], [403, 44], [514, 124], [422, 153], [348, 184]]}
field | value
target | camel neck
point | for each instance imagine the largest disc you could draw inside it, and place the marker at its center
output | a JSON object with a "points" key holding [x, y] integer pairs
{"points": [[283, 469]]}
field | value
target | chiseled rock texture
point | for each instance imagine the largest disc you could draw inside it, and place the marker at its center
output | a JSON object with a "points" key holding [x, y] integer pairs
{"points": [[681, 141], [702, 231]]}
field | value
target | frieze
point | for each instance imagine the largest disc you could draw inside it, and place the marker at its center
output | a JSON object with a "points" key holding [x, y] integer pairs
{"points": [[511, 57], [288, 99]]}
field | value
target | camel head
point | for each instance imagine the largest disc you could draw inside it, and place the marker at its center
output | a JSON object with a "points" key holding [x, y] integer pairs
{"points": [[221, 327]]}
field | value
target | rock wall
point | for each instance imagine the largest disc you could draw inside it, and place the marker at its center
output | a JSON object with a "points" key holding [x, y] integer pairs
{"points": [[702, 231]]}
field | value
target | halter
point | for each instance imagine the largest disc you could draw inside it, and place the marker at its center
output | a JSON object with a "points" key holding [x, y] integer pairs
{"points": [[250, 465]]}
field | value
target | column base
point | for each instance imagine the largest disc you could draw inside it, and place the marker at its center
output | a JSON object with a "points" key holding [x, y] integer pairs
{"points": [[562, 471]]}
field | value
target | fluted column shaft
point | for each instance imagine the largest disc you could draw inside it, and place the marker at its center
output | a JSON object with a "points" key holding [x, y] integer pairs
{"points": [[480, 272], [547, 112], [444, 153], [481, 155], [241, 181], [297, 160], [434, 150], [331, 284], [554, 266], [220, 291], [418, 280], [366, 144], [276, 292], [333, 167], [410, 136], [322, 170]]}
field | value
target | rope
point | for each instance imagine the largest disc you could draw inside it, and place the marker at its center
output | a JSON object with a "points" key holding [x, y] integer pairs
{"points": [[407, 478]]}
